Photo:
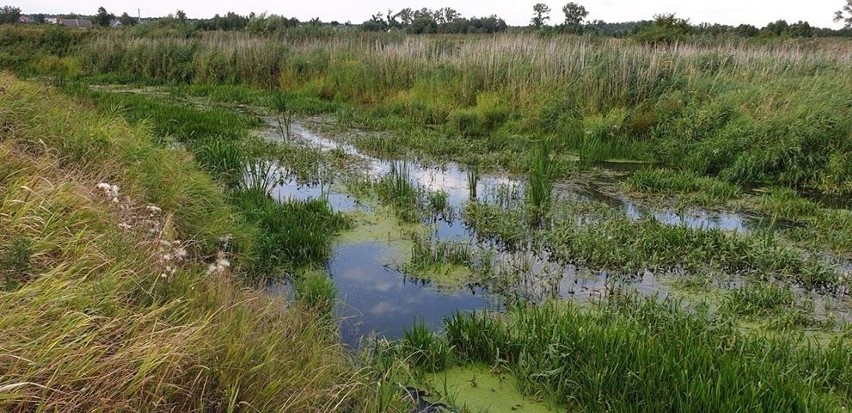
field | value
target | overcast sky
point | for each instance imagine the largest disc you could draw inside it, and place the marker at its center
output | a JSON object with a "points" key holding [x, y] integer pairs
{"points": [[515, 12]]}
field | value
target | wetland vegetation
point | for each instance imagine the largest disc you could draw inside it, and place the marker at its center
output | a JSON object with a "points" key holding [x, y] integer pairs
{"points": [[312, 220]]}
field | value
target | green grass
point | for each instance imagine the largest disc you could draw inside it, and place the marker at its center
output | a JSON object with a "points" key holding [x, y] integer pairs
{"points": [[759, 299], [669, 182], [289, 235], [748, 113], [395, 189], [540, 185], [316, 290], [613, 241], [114, 317], [636, 354]]}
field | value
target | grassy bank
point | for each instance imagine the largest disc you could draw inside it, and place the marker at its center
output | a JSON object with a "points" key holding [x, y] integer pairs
{"points": [[120, 280]]}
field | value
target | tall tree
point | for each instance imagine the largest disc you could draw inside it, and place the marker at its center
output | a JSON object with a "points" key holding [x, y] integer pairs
{"points": [[10, 14], [541, 17], [103, 18], [180, 16], [127, 20], [574, 14], [450, 14], [845, 15], [405, 16]]}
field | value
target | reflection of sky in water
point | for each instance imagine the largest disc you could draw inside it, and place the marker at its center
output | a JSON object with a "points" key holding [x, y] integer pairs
{"points": [[291, 189], [453, 179], [378, 300]]}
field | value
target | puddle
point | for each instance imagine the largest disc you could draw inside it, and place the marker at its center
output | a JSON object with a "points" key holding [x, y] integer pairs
{"points": [[378, 299], [453, 179]]}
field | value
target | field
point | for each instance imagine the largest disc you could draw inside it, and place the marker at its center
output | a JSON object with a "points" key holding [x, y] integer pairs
{"points": [[361, 221]]}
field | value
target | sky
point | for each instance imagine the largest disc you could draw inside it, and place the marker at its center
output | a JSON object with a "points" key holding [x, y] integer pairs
{"points": [[516, 12]]}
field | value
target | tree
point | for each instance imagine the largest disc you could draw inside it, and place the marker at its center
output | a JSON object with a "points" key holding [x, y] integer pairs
{"points": [[38, 18], [405, 16], [777, 28], [103, 18], [180, 16], [574, 14], [10, 14], [541, 17], [665, 29], [449, 14], [747, 30], [845, 15], [377, 23], [800, 29], [127, 20]]}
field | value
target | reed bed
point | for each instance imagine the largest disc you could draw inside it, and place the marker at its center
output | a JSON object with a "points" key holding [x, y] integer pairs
{"points": [[746, 113]]}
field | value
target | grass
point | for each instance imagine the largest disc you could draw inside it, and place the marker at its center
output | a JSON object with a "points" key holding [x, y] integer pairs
{"points": [[706, 190], [616, 242], [490, 98], [636, 354], [290, 235], [759, 299], [540, 186], [396, 189], [741, 112], [104, 316], [316, 290]]}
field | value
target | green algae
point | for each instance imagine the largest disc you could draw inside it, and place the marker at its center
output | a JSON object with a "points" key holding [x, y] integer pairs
{"points": [[479, 389], [452, 276]]}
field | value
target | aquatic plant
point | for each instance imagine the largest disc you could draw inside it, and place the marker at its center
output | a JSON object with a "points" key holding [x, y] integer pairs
{"points": [[601, 357], [426, 252], [316, 290], [540, 184], [472, 180], [222, 159], [290, 235], [438, 201], [424, 349], [259, 175], [759, 299], [396, 189]]}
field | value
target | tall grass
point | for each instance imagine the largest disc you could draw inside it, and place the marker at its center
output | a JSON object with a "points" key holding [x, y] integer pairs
{"points": [[102, 313], [397, 190], [540, 186], [643, 354], [744, 112]]}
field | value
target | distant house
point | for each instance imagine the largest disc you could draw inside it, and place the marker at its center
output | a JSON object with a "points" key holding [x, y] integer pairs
{"points": [[26, 20], [115, 23], [80, 23]]}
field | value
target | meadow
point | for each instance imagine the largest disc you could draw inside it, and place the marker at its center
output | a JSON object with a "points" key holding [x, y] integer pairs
{"points": [[745, 320], [685, 106]]}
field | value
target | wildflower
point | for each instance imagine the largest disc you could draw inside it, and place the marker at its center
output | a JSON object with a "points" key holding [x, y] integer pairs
{"points": [[153, 209], [180, 253], [220, 266], [110, 191]]}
